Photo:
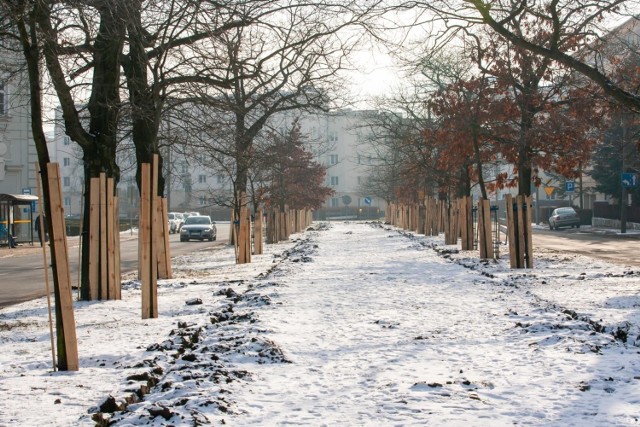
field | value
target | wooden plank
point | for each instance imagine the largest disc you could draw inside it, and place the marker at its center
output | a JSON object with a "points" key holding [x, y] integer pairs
{"points": [[520, 235], [257, 233], [152, 235], [528, 232], [111, 242], [511, 231], [247, 240], [117, 266], [94, 239], [66, 326], [470, 228], [167, 248], [482, 237], [104, 290], [144, 229], [160, 233]]}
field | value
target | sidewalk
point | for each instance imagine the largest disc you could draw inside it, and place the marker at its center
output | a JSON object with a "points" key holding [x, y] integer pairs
{"points": [[349, 324]]}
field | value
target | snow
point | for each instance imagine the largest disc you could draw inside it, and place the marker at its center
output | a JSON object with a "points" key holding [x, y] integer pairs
{"points": [[348, 324]]}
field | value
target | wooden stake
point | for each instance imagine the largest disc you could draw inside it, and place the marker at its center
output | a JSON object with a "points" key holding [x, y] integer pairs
{"points": [[144, 233], [45, 265], [94, 239], [112, 234], [104, 284], [68, 358]]}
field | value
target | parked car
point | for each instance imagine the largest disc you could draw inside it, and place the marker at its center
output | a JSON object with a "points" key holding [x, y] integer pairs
{"points": [[198, 227], [175, 221], [564, 217]]}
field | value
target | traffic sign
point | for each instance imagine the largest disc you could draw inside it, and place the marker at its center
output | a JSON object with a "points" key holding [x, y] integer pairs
{"points": [[569, 186], [629, 180], [367, 200]]}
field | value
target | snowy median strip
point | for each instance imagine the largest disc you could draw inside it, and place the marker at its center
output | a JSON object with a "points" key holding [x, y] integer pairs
{"points": [[350, 324]]}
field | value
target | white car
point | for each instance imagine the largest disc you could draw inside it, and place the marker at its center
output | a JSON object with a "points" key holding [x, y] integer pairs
{"points": [[175, 221]]}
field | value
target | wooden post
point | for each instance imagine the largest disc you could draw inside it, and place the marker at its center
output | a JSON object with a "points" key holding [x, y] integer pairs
{"points": [[65, 320], [257, 233], [112, 234], [466, 223], [117, 269], [42, 230], [242, 257], [94, 239], [511, 231], [162, 238], [144, 236], [485, 239], [528, 206], [154, 223], [167, 249], [103, 286], [520, 236]]}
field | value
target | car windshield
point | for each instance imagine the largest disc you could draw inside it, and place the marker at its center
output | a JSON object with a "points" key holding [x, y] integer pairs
{"points": [[171, 216], [197, 220], [565, 211]]}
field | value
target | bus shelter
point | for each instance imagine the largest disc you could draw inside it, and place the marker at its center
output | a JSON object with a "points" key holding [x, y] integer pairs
{"points": [[16, 217]]}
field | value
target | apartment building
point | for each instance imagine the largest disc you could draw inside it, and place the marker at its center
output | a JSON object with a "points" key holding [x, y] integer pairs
{"points": [[17, 150], [195, 183]]}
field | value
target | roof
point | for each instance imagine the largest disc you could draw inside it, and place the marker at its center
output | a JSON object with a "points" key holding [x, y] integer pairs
{"points": [[18, 199]]}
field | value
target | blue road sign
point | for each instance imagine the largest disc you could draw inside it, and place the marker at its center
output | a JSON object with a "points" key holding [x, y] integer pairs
{"points": [[629, 180], [367, 200], [569, 186]]}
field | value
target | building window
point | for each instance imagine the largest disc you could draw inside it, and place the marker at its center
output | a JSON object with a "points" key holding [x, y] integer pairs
{"points": [[66, 140], [202, 200], [67, 201], [359, 180], [202, 179], [66, 161], [184, 167], [220, 179], [334, 180], [66, 181], [335, 202], [333, 159]]}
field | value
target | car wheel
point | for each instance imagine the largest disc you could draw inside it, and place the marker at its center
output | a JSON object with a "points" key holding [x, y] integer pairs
{"points": [[210, 239], [215, 237]]}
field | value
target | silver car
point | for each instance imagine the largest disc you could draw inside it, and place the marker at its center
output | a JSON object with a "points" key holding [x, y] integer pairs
{"points": [[198, 227], [564, 217]]}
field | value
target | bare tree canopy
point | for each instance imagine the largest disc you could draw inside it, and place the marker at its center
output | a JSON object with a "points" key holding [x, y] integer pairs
{"points": [[570, 32]]}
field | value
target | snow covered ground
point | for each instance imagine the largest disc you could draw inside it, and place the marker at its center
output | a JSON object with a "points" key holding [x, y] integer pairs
{"points": [[349, 324]]}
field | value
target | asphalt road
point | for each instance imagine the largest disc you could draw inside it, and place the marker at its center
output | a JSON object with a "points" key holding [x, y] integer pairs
{"points": [[605, 244], [22, 270]]}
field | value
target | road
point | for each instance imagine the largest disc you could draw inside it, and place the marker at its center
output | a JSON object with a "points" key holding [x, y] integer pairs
{"points": [[22, 271], [607, 245]]}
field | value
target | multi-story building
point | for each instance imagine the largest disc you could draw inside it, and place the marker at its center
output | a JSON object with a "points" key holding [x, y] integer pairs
{"points": [[194, 184], [17, 150]]}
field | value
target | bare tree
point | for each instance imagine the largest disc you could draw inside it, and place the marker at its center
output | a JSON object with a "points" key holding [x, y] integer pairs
{"points": [[280, 62], [572, 32]]}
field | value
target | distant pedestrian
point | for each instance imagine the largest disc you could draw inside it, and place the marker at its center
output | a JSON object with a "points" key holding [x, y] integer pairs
{"points": [[39, 225]]}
